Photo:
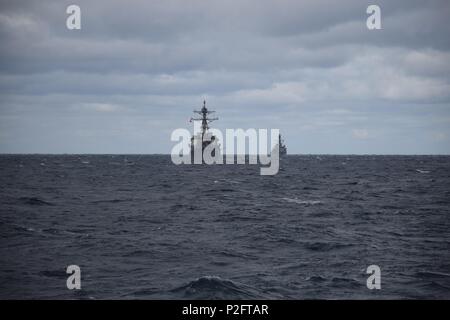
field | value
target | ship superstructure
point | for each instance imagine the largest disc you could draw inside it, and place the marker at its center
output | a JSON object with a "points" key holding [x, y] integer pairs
{"points": [[205, 137], [283, 148]]}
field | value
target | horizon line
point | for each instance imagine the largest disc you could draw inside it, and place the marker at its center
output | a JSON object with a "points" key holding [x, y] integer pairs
{"points": [[289, 154]]}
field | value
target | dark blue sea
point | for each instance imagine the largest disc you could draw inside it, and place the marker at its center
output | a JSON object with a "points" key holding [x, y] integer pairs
{"points": [[140, 227]]}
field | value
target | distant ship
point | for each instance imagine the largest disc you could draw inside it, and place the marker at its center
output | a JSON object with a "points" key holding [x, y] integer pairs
{"points": [[283, 149], [204, 138]]}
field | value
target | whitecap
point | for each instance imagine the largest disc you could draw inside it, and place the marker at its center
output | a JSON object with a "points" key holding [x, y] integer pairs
{"points": [[305, 202]]}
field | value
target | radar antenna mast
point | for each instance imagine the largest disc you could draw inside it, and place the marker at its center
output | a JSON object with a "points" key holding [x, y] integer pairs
{"points": [[204, 112]]}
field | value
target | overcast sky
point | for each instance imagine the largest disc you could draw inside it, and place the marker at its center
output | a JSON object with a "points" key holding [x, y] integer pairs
{"points": [[137, 69]]}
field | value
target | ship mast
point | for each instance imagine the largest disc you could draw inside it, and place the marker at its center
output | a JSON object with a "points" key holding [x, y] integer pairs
{"points": [[205, 120]]}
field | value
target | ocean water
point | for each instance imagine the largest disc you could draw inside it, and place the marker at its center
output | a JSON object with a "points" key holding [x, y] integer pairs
{"points": [[140, 227]]}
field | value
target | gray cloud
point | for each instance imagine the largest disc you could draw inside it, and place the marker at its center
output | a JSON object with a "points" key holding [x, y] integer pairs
{"points": [[137, 69]]}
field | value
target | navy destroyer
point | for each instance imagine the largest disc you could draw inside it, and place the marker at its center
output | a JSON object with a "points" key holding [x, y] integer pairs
{"points": [[283, 148], [204, 138]]}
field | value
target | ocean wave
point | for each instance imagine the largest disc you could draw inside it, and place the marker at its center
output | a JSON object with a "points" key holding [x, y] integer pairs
{"points": [[114, 200], [435, 281], [216, 288], [303, 202], [325, 246], [316, 279], [60, 274], [341, 283], [34, 201], [433, 274]]}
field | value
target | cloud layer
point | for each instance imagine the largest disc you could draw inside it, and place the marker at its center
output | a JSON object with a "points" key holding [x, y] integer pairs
{"points": [[136, 69]]}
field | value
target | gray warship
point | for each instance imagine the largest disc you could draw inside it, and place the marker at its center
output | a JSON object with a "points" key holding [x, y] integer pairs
{"points": [[205, 137], [283, 148]]}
